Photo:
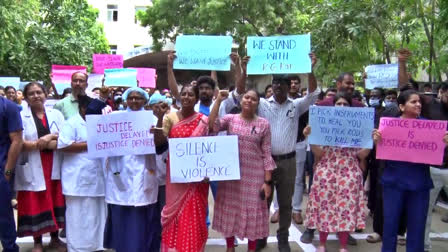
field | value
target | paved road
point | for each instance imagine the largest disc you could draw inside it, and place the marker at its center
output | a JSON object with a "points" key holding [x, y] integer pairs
{"points": [[216, 243]]}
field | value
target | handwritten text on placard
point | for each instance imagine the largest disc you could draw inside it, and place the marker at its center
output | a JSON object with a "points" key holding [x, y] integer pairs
{"points": [[120, 133], [106, 61], [341, 126], [411, 140], [383, 76], [192, 159], [203, 52], [279, 54]]}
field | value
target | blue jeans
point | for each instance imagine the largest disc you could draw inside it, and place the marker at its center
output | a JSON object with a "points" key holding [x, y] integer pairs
{"points": [[8, 233]]}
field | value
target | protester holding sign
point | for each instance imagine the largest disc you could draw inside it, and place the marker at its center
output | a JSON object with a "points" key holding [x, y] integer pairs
{"points": [[283, 115], [240, 207], [337, 202], [41, 205], [183, 217], [131, 194], [82, 184], [406, 186]]}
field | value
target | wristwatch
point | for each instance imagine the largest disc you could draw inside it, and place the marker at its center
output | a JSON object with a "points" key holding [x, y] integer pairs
{"points": [[8, 173]]}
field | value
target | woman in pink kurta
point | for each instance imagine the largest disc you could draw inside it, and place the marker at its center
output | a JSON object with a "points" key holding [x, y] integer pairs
{"points": [[240, 210]]}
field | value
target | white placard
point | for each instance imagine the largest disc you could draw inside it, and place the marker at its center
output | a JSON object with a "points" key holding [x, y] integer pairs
{"points": [[194, 158], [119, 134], [383, 76]]}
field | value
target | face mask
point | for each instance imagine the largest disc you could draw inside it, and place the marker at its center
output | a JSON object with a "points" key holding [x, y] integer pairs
{"points": [[374, 102], [117, 97], [390, 103], [121, 107]]}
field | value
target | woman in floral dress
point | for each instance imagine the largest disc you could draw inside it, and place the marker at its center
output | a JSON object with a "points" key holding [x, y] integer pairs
{"points": [[337, 202]]}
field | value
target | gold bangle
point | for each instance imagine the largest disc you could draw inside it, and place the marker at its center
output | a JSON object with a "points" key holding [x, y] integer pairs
{"points": [[158, 128]]}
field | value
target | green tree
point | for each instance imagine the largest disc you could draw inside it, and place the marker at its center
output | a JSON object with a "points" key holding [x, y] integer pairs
{"points": [[49, 32], [347, 35]]}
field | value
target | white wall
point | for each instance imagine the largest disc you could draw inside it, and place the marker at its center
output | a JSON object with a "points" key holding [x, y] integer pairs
{"points": [[124, 33]]}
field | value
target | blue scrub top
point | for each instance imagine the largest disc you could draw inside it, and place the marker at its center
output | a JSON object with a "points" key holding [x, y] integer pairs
{"points": [[407, 176], [10, 121]]}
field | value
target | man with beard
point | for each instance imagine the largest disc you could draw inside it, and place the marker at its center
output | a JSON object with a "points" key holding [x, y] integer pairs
{"points": [[69, 105]]}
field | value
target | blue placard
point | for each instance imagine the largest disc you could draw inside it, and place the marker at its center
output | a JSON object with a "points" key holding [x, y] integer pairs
{"points": [[341, 126], [203, 52], [10, 81], [60, 87], [121, 77], [383, 76], [279, 54]]}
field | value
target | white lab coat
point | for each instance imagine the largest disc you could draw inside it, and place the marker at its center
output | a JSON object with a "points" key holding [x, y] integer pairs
{"points": [[80, 175], [29, 175], [131, 180]]}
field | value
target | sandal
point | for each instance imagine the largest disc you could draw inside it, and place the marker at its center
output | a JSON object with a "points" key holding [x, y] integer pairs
{"points": [[373, 238]]}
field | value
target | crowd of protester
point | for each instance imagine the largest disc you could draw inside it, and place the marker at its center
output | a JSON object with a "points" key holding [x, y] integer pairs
{"points": [[128, 203]]}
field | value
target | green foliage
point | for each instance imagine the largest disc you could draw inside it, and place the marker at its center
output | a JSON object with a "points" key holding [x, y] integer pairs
{"points": [[347, 35], [36, 34]]}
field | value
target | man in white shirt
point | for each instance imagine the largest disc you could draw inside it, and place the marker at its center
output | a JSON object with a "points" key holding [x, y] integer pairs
{"points": [[82, 184], [283, 115]]}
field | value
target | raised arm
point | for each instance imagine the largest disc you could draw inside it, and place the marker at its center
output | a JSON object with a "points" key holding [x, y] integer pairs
{"points": [[403, 55], [172, 83], [302, 104], [312, 83], [240, 86], [241, 81], [222, 95]]}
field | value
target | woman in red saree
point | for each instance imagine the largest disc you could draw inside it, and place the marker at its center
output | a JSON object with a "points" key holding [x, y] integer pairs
{"points": [[183, 218]]}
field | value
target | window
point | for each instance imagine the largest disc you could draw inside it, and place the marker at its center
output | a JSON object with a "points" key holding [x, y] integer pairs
{"points": [[137, 9], [113, 49], [112, 13]]}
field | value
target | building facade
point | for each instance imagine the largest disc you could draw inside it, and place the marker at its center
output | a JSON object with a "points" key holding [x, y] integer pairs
{"points": [[123, 31]]}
